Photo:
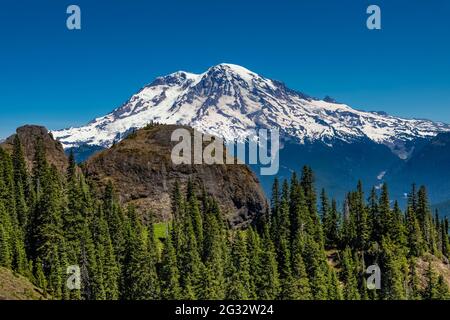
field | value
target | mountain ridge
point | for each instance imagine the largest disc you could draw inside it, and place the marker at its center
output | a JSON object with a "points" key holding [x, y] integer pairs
{"points": [[227, 100]]}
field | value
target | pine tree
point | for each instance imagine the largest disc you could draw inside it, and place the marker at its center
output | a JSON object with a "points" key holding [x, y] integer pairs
{"points": [[169, 274], [307, 183], [73, 220], [20, 261], [106, 256], [276, 198], [425, 220], [300, 283], [334, 287], [21, 183], [442, 289], [392, 280], [268, 283], [431, 291], [362, 225], [114, 218], [189, 264], [349, 275], [386, 216], [139, 280], [445, 240], [5, 250], [316, 267], [91, 271], [331, 226], [413, 285], [398, 228], [241, 287], [40, 281], [414, 235], [151, 259], [195, 215], [349, 225]]}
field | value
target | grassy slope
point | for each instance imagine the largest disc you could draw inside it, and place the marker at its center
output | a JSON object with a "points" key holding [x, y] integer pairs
{"points": [[160, 230], [14, 287]]}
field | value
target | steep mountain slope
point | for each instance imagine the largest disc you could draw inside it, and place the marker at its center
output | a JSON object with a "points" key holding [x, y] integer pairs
{"points": [[142, 172], [427, 165], [227, 100]]}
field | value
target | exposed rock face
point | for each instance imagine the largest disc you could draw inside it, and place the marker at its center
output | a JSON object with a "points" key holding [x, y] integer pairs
{"points": [[143, 174], [28, 135]]}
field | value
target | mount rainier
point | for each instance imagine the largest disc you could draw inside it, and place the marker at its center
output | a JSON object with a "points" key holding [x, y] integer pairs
{"points": [[228, 99]]}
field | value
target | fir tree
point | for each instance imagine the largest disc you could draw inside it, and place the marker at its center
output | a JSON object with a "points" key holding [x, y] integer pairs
{"points": [[268, 283], [241, 287], [169, 274], [350, 276]]}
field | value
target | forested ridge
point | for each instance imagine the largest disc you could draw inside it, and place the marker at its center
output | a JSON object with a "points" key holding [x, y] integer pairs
{"points": [[306, 247]]}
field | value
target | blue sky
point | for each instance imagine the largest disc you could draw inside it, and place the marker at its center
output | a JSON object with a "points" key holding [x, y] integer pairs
{"points": [[58, 78]]}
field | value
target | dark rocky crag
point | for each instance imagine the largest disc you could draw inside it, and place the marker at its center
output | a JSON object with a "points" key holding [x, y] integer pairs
{"points": [[28, 135], [143, 174]]}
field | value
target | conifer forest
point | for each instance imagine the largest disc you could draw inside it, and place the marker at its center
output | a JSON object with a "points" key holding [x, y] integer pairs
{"points": [[306, 247]]}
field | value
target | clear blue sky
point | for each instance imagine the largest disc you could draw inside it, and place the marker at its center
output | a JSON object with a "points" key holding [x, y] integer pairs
{"points": [[58, 78]]}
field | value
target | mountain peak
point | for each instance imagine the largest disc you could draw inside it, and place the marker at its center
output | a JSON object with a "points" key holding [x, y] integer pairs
{"points": [[227, 100], [229, 67]]}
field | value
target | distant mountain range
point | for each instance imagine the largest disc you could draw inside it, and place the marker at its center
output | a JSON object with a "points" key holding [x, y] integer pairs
{"points": [[342, 144]]}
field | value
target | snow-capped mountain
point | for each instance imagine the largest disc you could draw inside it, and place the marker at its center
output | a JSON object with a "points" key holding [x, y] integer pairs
{"points": [[228, 99]]}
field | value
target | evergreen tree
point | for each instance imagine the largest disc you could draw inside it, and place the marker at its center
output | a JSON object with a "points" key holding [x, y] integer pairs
{"points": [[5, 250], [392, 281], [139, 280], [350, 276], [21, 183], [316, 267], [195, 215], [414, 235], [413, 285], [362, 224], [300, 283], [268, 283], [189, 264], [331, 226], [115, 220], [431, 291], [169, 275], [334, 287], [240, 284]]}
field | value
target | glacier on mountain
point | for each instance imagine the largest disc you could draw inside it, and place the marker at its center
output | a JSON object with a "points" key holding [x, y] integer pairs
{"points": [[227, 100]]}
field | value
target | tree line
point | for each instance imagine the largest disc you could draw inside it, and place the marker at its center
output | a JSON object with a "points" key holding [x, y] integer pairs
{"points": [[304, 247]]}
